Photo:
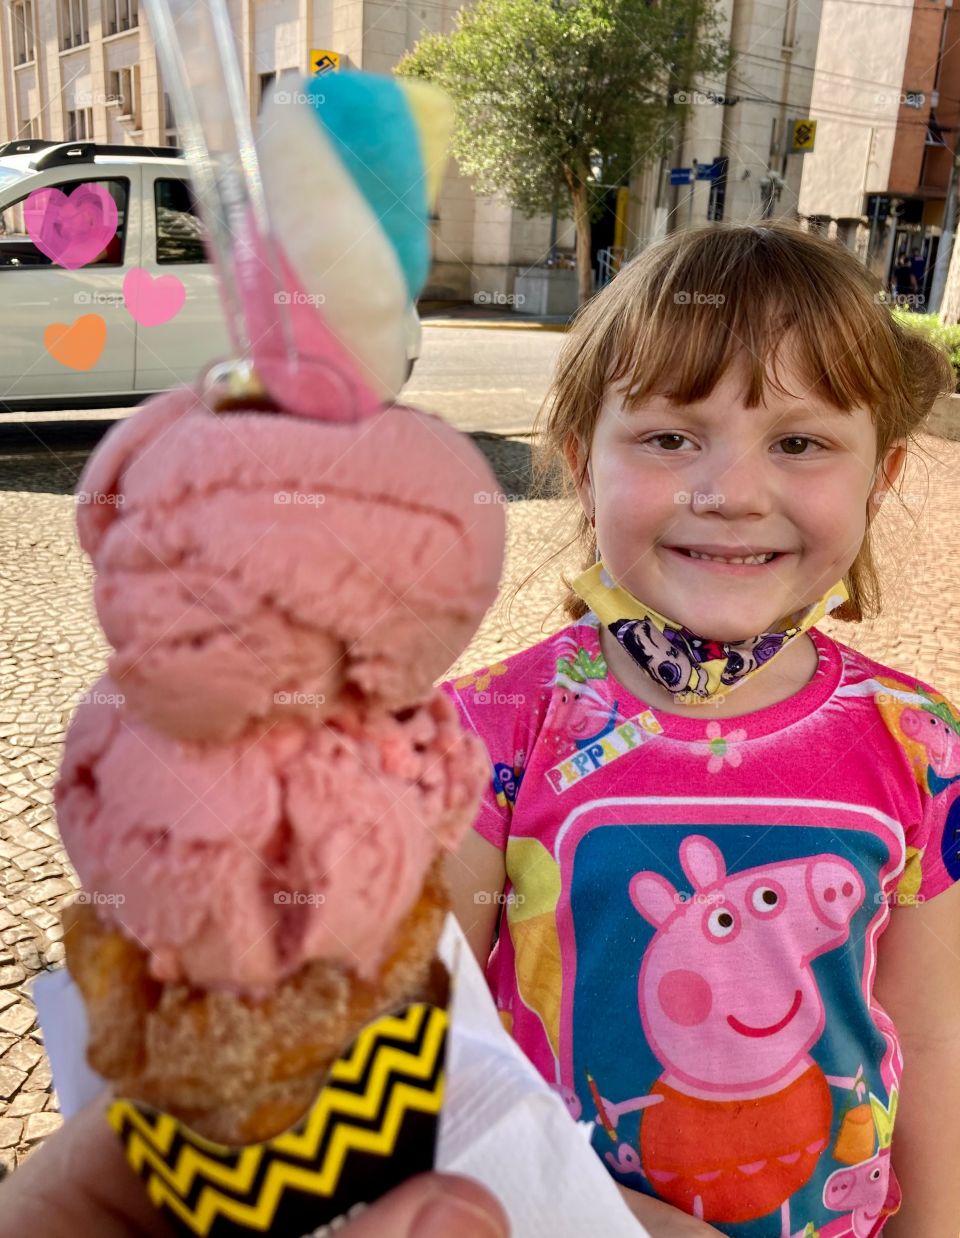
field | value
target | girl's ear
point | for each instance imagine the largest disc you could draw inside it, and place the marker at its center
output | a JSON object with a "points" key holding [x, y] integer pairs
{"points": [[575, 454], [887, 474]]}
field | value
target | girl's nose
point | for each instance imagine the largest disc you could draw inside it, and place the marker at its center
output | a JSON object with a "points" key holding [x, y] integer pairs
{"points": [[734, 483]]}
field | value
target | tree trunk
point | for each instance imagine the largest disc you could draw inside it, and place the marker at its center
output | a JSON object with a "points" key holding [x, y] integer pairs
{"points": [[581, 218]]}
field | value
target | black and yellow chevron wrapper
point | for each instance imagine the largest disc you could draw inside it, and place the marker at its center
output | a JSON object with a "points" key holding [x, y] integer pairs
{"points": [[373, 1124]]}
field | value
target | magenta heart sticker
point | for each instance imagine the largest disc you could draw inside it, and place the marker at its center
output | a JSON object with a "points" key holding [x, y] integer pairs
{"points": [[72, 230], [152, 301]]}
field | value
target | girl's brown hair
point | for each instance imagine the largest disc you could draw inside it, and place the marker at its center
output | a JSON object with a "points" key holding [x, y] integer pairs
{"points": [[674, 319]]}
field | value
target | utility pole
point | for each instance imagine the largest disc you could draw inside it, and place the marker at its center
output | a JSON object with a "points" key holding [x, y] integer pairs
{"points": [[947, 234]]}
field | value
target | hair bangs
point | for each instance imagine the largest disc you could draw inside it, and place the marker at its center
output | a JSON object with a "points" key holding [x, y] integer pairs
{"points": [[746, 301]]}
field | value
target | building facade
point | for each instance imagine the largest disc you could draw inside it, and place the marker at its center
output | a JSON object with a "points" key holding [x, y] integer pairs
{"points": [[880, 91], [887, 125]]}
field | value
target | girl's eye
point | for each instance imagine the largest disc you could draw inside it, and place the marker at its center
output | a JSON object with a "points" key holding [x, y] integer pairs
{"points": [[672, 440], [791, 448]]}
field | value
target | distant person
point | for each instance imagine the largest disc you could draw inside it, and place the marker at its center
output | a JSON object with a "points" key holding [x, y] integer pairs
{"points": [[918, 265], [904, 282]]}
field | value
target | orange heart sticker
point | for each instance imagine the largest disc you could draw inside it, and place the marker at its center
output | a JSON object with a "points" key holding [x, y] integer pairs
{"points": [[79, 344]]}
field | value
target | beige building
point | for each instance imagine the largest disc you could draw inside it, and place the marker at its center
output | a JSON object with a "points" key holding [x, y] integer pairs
{"points": [[74, 69]]}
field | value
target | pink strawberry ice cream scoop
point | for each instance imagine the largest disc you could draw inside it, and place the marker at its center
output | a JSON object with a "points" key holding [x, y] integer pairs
{"points": [[255, 566], [234, 864]]}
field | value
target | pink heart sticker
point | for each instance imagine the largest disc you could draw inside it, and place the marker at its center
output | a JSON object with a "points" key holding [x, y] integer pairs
{"points": [[72, 230], [153, 301]]}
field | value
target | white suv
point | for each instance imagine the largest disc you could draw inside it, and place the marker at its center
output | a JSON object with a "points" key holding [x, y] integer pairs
{"points": [[158, 230]]}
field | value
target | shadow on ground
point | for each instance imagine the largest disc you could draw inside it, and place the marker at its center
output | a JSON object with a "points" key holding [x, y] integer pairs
{"points": [[49, 458]]}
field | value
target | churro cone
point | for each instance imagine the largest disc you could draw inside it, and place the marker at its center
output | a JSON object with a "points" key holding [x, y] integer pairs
{"points": [[235, 1069]]}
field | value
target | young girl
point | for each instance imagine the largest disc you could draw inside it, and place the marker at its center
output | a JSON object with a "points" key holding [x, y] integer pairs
{"points": [[718, 850]]}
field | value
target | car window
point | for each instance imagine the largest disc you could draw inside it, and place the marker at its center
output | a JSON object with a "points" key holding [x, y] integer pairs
{"points": [[179, 229], [18, 250]]}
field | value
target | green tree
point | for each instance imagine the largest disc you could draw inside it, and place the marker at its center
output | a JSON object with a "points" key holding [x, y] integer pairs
{"points": [[558, 97]]}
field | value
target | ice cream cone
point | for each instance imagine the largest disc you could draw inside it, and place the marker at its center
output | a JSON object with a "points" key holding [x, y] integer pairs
{"points": [[235, 1069]]}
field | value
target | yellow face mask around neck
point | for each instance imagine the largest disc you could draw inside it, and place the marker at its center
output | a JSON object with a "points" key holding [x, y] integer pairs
{"points": [[692, 668]]}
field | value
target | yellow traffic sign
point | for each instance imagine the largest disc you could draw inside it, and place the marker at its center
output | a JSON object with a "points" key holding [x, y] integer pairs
{"points": [[802, 135], [323, 61]]}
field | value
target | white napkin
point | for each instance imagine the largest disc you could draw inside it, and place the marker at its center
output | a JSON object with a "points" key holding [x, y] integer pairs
{"points": [[503, 1125], [500, 1123]]}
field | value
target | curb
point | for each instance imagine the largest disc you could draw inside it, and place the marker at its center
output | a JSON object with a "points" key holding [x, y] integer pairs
{"points": [[493, 325]]}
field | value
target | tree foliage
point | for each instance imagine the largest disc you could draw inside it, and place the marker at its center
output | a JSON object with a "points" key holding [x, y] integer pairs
{"points": [[558, 97]]}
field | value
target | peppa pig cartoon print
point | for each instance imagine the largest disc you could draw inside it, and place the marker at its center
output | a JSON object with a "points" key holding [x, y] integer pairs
{"points": [[741, 1113], [860, 1191], [934, 729]]}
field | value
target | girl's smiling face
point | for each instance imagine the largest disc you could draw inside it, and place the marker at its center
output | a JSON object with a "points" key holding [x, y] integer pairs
{"points": [[792, 476]]}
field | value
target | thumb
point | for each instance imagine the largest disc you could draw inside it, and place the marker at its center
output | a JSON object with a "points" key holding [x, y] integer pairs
{"points": [[433, 1206]]}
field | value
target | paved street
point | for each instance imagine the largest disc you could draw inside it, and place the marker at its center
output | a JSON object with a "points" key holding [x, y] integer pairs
{"points": [[51, 648], [481, 378]]}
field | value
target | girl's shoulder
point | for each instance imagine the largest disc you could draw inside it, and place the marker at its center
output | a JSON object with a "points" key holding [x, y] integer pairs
{"points": [[514, 693], [923, 723], [505, 704], [863, 676], [578, 642]]}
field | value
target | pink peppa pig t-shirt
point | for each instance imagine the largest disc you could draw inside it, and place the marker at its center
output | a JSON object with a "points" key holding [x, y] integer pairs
{"points": [[688, 939]]}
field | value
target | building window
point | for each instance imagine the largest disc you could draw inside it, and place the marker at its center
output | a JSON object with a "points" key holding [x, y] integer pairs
{"points": [[21, 14], [80, 125], [169, 122], [121, 15], [179, 229], [266, 82], [74, 27], [124, 93]]}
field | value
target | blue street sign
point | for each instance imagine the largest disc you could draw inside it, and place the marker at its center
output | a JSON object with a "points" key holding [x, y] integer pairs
{"points": [[680, 176], [707, 171]]}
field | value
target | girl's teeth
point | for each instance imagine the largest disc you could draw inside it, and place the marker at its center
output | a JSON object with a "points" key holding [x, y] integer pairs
{"points": [[721, 559]]}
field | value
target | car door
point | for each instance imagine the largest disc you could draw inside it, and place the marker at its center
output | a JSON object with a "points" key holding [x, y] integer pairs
{"points": [[176, 350], [95, 356]]}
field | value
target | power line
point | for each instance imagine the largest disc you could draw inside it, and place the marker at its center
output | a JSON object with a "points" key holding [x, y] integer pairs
{"points": [[856, 118], [890, 86]]}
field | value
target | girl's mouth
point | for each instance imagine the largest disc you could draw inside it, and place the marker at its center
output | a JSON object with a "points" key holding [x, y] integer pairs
{"points": [[740, 564]]}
